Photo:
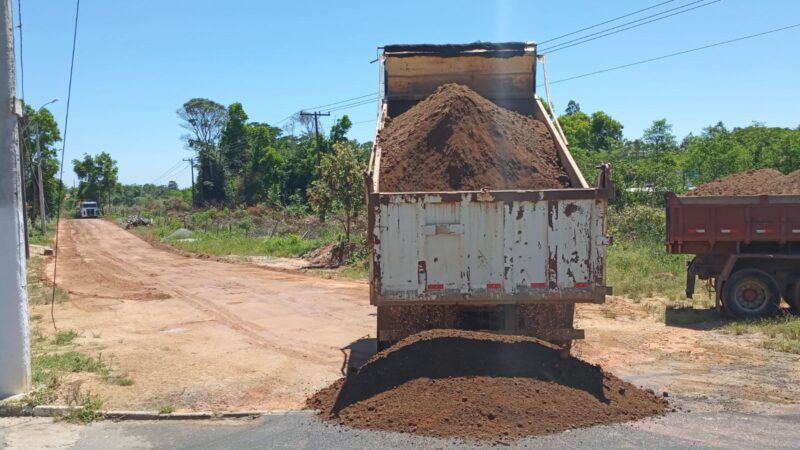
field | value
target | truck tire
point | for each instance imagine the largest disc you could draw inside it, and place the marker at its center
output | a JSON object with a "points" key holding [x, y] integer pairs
{"points": [[751, 294], [793, 299]]}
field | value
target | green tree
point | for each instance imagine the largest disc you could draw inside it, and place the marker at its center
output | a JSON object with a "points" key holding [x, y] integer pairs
{"points": [[264, 170], [40, 133], [340, 188], [235, 154], [340, 128], [97, 176], [572, 108], [659, 138], [205, 120], [605, 132], [577, 128]]}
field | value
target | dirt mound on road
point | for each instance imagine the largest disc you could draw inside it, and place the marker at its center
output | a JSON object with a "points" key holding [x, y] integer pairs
{"points": [[474, 385], [457, 140], [752, 182]]}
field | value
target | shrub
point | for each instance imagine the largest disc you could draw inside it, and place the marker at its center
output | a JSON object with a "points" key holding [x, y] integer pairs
{"points": [[637, 222]]}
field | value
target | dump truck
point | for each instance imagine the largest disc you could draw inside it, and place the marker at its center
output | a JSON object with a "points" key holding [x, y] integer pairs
{"points": [[87, 210], [504, 261], [746, 247]]}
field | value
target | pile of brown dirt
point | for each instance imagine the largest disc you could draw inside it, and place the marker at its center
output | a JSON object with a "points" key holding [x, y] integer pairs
{"points": [[475, 385], [752, 182], [457, 140]]}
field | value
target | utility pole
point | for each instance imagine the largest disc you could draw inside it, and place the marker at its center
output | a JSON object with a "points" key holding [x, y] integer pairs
{"points": [[42, 213], [191, 166], [316, 115], [15, 354]]}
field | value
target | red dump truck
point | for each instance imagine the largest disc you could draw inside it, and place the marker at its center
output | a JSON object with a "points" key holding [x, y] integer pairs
{"points": [[746, 246], [507, 261]]}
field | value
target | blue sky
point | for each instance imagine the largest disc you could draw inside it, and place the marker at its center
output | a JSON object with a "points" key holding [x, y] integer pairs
{"points": [[138, 61]]}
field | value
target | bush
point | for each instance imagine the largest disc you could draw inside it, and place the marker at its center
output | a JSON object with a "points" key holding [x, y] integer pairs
{"points": [[637, 223]]}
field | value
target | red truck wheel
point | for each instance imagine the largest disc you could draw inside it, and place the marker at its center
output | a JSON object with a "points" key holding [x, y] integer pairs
{"points": [[751, 294]]}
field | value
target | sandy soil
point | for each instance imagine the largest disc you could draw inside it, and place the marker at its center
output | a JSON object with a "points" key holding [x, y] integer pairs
{"points": [[201, 334], [208, 335], [713, 371]]}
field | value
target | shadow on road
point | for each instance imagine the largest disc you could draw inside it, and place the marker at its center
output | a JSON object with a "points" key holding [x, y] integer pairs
{"points": [[448, 357]]}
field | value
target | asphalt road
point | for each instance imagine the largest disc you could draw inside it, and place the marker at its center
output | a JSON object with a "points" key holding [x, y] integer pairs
{"points": [[302, 430]]}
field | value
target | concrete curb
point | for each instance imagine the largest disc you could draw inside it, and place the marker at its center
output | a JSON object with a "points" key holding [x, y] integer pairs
{"points": [[57, 411]]}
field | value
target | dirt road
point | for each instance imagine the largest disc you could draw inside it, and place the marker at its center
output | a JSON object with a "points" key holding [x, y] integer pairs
{"points": [[202, 334], [206, 335]]}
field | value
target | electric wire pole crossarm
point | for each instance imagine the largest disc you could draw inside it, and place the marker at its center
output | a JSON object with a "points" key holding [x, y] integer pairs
{"points": [[316, 115]]}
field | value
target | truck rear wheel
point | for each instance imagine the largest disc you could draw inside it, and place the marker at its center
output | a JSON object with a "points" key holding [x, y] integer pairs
{"points": [[793, 299], [751, 294]]}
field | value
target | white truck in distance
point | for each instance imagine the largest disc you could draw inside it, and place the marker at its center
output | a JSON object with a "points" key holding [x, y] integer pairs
{"points": [[87, 210]]}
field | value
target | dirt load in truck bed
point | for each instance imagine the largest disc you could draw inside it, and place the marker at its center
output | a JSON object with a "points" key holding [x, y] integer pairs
{"points": [[476, 385], [457, 140], [751, 182]]}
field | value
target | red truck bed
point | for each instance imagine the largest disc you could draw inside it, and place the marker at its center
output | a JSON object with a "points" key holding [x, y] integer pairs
{"points": [[715, 225]]}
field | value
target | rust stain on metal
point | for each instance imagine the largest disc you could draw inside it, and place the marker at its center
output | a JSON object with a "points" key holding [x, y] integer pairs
{"points": [[570, 209]]}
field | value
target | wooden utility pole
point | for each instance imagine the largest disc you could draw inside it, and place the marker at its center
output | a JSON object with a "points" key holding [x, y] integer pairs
{"points": [[15, 354], [316, 115], [191, 166]]}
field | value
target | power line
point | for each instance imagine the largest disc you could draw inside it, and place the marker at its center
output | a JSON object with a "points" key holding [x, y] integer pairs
{"points": [[610, 31], [373, 95], [670, 55], [61, 167], [353, 105], [178, 169], [173, 167], [341, 101], [603, 23]]}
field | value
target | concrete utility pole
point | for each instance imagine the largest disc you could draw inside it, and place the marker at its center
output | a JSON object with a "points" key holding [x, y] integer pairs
{"points": [[42, 212], [191, 166], [316, 115], [15, 354], [42, 209]]}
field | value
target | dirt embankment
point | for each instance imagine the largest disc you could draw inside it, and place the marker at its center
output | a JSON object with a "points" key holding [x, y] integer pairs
{"points": [[457, 140], [751, 182], [475, 385]]}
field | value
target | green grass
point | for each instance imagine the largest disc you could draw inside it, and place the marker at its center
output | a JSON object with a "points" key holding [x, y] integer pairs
{"points": [[121, 381], [780, 333], [65, 337], [221, 244], [40, 293], [643, 269], [166, 409], [89, 407], [70, 361], [36, 237]]}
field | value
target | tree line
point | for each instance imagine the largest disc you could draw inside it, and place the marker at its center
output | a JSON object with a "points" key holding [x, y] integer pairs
{"points": [[240, 162], [243, 163], [648, 167]]}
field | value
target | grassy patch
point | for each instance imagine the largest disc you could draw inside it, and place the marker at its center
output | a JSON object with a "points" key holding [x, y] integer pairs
{"points": [[121, 381], [166, 409], [71, 361], [36, 237], [781, 333], [40, 293], [224, 243], [65, 337], [643, 269]]}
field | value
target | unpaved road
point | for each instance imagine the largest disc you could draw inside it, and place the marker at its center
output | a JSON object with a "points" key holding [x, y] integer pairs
{"points": [[206, 335], [201, 334]]}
